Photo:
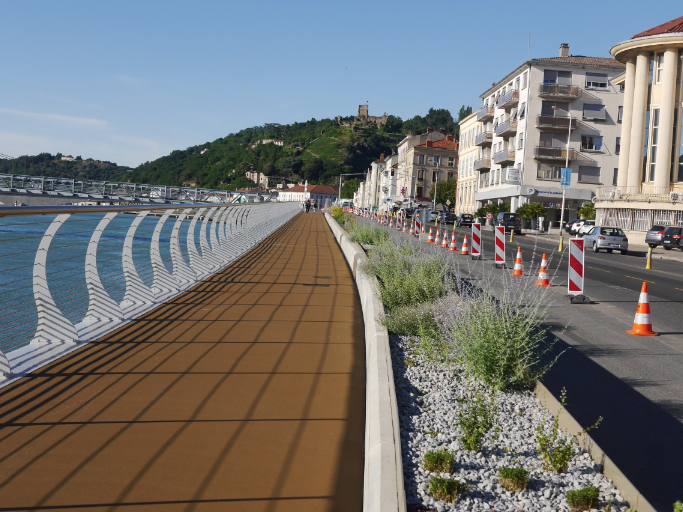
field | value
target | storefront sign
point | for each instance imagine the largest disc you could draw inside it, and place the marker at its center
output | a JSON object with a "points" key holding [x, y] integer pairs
{"points": [[512, 176]]}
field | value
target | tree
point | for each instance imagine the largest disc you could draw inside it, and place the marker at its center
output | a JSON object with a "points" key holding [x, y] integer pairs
{"points": [[445, 190], [349, 187], [530, 210], [394, 124], [464, 112], [492, 208], [289, 165], [587, 211]]}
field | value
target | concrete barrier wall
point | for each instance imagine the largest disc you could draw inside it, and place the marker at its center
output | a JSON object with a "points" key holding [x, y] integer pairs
{"points": [[383, 476]]}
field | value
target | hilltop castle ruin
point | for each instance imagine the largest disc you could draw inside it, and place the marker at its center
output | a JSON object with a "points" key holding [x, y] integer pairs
{"points": [[363, 118]]}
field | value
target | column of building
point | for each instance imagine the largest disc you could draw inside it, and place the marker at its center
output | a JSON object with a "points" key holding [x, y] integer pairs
{"points": [[637, 136], [666, 121]]}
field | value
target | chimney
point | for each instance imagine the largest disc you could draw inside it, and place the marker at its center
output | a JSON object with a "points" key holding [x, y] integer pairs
{"points": [[381, 157], [430, 130], [443, 131], [449, 138], [564, 50], [430, 144]]}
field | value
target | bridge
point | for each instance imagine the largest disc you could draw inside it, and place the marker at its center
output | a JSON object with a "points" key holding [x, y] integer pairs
{"points": [[211, 362], [41, 190]]}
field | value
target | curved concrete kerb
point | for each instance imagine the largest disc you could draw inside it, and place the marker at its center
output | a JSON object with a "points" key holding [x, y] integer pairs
{"points": [[383, 479]]}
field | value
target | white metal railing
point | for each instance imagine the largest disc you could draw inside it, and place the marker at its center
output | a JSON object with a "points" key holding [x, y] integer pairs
{"points": [[69, 274], [672, 193]]}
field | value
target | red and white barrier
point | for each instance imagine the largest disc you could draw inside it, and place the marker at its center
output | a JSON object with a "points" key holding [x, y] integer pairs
{"points": [[576, 255], [418, 224], [500, 246], [476, 241]]}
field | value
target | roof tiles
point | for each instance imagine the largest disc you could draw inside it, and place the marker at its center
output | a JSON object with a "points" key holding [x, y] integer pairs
{"points": [[670, 27]]}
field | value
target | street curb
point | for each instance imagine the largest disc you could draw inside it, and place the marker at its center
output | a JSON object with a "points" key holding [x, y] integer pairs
{"points": [[628, 491], [383, 489]]}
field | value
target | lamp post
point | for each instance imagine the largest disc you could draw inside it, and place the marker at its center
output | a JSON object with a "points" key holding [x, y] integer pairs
{"points": [[566, 166]]}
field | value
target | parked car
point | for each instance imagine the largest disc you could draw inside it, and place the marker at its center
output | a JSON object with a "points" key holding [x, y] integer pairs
{"points": [[586, 227], [672, 238], [574, 230], [511, 222], [464, 219], [433, 215], [568, 225], [408, 212], [655, 235], [450, 218], [610, 239]]}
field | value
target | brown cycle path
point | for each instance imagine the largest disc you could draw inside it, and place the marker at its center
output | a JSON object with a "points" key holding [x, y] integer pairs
{"points": [[246, 393]]}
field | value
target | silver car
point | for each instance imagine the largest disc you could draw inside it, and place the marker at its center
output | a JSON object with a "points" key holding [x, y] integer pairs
{"points": [[655, 235], [610, 239]]}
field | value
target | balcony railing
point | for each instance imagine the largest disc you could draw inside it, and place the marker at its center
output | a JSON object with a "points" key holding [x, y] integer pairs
{"points": [[672, 193], [509, 99], [484, 139], [482, 164], [570, 92], [507, 129], [505, 156], [554, 124], [553, 153], [485, 114]]}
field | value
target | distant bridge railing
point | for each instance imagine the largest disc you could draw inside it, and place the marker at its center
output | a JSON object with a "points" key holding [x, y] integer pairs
{"points": [[87, 190], [70, 274]]}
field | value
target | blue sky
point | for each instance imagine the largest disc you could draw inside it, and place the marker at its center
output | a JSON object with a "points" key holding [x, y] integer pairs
{"points": [[130, 81]]}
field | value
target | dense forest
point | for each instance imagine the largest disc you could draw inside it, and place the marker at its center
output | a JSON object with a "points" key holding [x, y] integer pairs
{"points": [[316, 150]]}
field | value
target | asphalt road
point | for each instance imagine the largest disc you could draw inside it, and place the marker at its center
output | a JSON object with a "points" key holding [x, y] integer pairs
{"points": [[634, 382]]}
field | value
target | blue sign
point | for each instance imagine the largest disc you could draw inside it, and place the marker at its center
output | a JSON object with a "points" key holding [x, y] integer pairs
{"points": [[566, 178]]}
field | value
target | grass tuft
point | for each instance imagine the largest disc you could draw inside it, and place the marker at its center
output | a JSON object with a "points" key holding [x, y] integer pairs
{"points": [[439, 461], [513, 479], [583, 499], [447, 489]]}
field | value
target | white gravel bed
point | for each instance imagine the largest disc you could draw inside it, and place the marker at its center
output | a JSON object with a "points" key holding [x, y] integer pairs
{"points": [[428, 396]]}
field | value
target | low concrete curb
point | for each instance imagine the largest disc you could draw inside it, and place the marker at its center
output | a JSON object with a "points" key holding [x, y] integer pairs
{"points": [[383, 479], [628, 491]]}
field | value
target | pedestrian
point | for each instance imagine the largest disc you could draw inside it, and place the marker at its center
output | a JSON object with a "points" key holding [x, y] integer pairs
{"points": [[308, 206]]}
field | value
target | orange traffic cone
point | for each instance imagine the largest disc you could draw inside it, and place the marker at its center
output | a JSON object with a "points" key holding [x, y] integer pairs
{"points": [[412, 228], [430, 239], [423, 229], [465, 249], [519, 269], [453, 247], [391, 222], [543, 278], [437, 240], [642, 324], [444, 241], [404, 226]]}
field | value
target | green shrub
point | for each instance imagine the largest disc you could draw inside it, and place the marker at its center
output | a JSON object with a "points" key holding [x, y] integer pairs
{"points": [[367, 234], [338, 214], [513, 479], [439, 461], [678, 506], [413, 320], [409, 275], [446, 489], [476, 420], [583, 499]]}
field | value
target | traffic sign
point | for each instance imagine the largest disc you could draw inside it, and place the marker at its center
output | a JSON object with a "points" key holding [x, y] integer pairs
{"points": [[500, 247], [448, 202], [576, 266], [489, 216]]}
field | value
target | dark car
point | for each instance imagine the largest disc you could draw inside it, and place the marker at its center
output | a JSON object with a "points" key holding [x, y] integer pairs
{"points": [[465, 219], [511, 222], [655, 236], [450, 218], [568, 225], [408, 212], [672, 238]]}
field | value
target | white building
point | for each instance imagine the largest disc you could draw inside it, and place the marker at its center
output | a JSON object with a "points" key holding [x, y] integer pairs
{"points": [[523, 130], [406, 181], [301, 193], [468, 152]]}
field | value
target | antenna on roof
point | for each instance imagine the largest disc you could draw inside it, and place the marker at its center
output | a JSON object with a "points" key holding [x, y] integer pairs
{"points": [[528, 50]]}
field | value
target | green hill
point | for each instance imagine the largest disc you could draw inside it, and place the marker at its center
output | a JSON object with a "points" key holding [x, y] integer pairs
{"points": [[320, 151]]}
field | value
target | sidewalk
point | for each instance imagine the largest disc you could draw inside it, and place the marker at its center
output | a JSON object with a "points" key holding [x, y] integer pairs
{"points": [[246, 393]]}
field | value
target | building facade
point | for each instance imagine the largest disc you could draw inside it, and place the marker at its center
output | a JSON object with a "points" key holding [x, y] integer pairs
{"points": [[523, 133], [301, 193], [468, 152], [649, 185], [405, 181]]}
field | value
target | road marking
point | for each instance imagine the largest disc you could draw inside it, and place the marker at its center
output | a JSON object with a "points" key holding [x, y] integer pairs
{"points": [[678, 289], [639, 279], [608, 271]]}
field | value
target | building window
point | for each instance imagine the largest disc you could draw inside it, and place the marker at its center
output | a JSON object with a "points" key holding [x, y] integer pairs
{"points": [[420, 174], [521, 141], [614, 177], [521, 111], [451, 161], [653, 144], [659, 67], [524, 79], [436, 160], [617, 146], [589, 174], [620, 114], [591, 143], [517, 84], [594, 112], [419, 192], [434, 176], [548, 172], [551, 77], [421, 159], [596, 81], [450, 175], [622, 87]]}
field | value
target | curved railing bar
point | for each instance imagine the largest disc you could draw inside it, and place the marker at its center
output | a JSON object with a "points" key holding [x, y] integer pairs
{"points": [[215, 248], [138, 297], [103, 312], [200, 268], [207, 256], [53, 327], [164, 285], [183, 274]]}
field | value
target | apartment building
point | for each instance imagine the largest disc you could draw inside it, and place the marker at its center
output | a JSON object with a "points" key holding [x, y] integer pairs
{"points": [[468, 153], [649, 185], [523, 132], [387, 179], [406, 180]]}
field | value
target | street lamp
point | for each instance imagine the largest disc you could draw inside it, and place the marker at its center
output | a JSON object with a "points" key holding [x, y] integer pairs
{"points": [[566, 166]]}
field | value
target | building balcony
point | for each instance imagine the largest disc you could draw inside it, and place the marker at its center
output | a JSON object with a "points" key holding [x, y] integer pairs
{"points": [[558, 91], [484, 139], [485, 114], [509, 100], [550, 153], [554, 124], [506, 129], [482, 165], [506, 156]]}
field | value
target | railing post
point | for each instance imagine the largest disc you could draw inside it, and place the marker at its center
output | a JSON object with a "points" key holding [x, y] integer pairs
{"points": [[200, 268], [182, 272], [207, 255], [164, 285], [53, 326], [138, 298], [103, 312]]}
